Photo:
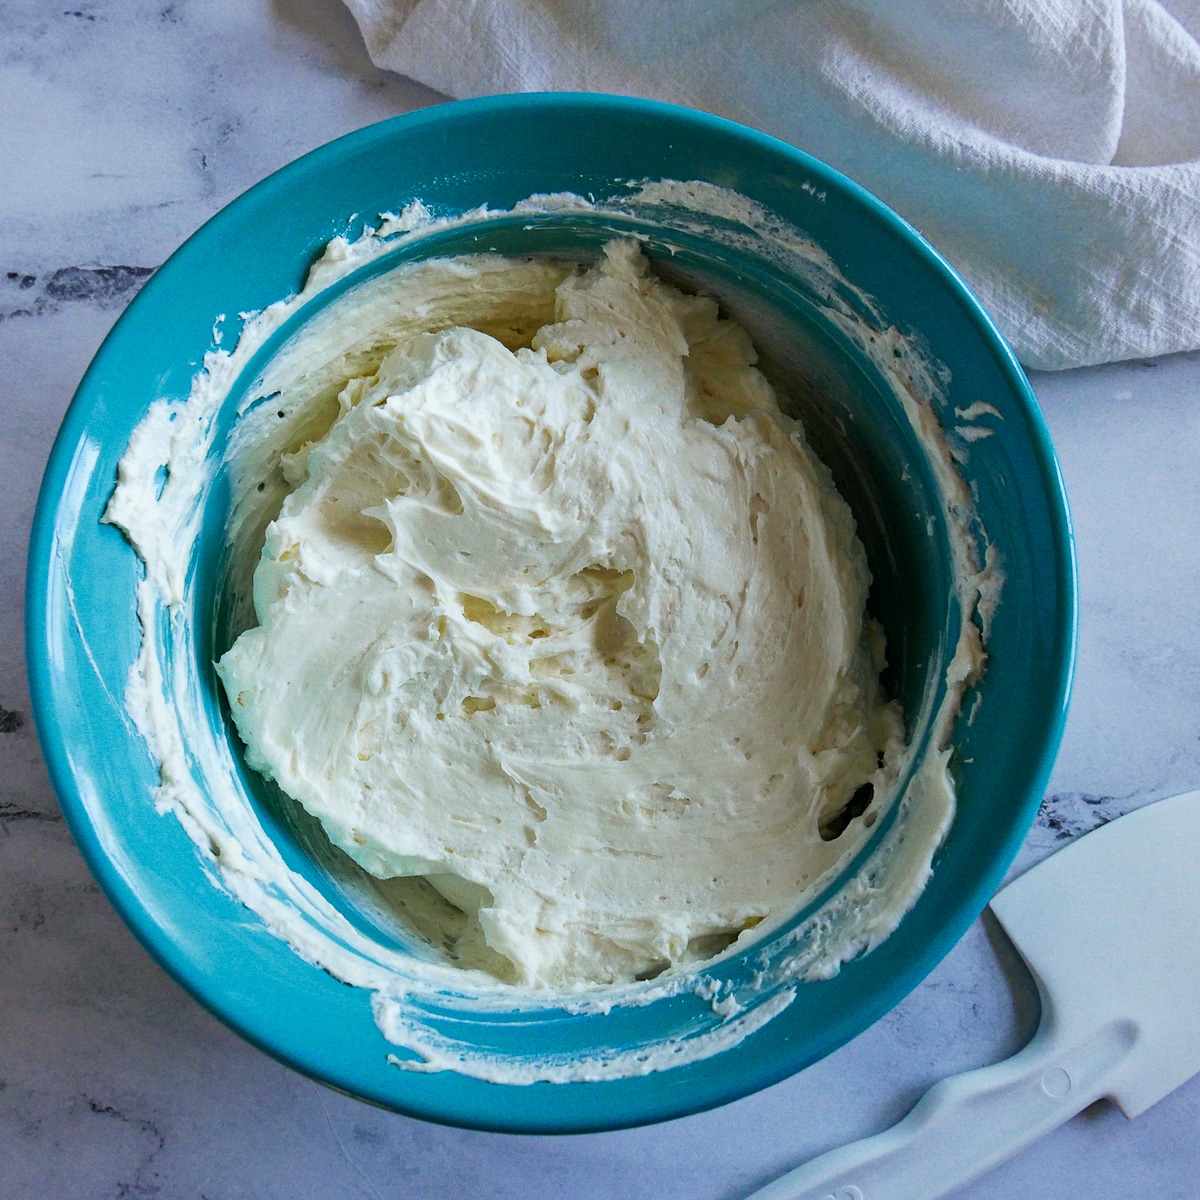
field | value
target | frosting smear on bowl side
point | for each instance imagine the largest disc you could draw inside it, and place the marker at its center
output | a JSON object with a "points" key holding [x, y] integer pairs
{"points": [[574, 629]]}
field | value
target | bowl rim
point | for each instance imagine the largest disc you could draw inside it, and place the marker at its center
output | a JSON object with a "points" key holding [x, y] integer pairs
{"points": [[48, 696]]}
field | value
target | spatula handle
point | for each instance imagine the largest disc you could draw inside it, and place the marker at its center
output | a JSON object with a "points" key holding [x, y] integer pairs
{"points": [[967, 1124]]}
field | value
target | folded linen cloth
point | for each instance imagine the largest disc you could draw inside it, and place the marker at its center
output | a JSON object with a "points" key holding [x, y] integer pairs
{"points": [[1050, 149]]}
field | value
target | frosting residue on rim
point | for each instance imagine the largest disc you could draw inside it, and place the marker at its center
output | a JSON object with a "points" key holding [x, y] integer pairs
{"points": [[165, 480]]}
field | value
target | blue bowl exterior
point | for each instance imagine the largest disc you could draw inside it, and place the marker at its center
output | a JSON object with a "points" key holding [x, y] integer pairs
{"points": [[81, 636]]}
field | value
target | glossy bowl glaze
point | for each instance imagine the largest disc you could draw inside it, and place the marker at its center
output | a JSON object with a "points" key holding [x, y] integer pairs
{"points": [[83, 635]]}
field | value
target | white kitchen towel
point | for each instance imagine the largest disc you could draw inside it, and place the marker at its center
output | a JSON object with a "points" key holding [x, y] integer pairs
{"points": [[1050, 149]]}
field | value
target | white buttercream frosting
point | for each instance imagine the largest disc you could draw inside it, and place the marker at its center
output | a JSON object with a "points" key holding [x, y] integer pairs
{"points": [[575, 631], [183, 457]]}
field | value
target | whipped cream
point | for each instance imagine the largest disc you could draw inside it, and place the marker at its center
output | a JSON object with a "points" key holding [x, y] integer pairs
{"points": [[575, 631]]}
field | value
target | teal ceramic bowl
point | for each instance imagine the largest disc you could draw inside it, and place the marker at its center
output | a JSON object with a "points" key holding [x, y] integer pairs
{"points": [[83, 636]]}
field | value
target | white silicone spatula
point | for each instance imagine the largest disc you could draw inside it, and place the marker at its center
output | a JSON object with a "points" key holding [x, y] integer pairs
{"points": [[1110, 928]]}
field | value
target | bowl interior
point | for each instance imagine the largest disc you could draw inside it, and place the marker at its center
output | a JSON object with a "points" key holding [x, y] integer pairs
{"points": [[83, 637], [855, 419]]}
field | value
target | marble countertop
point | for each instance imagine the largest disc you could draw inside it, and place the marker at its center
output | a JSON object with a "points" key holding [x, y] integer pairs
{"points": [[126, 126]]}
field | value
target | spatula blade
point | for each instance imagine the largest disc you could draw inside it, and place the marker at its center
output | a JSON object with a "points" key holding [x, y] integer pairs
{"points": [[1110, 927]]}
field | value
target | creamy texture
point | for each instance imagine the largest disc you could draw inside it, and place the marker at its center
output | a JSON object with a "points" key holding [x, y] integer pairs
{"points": [[575, 632], [182, 456]]}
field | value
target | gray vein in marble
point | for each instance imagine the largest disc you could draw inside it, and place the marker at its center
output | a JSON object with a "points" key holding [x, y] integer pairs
{"points": [[1069, 814], [145, 1181], [10, 813], [107, 287]]}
